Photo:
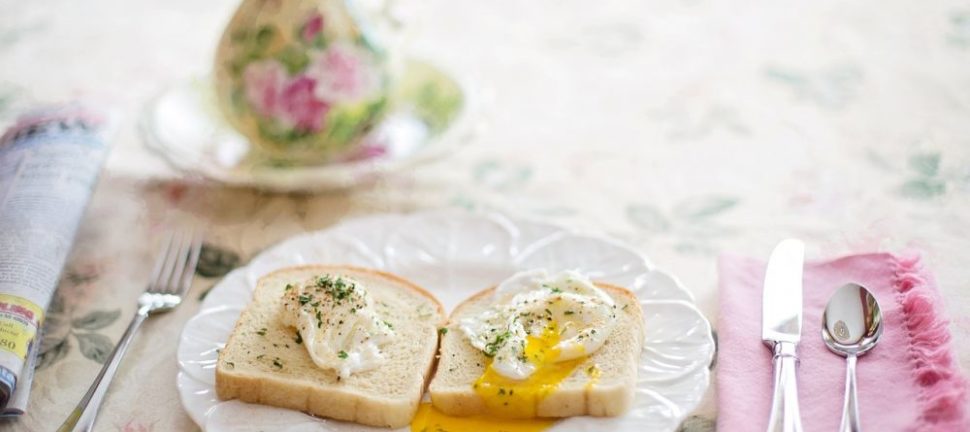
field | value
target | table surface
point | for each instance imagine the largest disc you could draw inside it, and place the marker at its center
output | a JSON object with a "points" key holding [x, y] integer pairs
{"points": [[687, 128]]}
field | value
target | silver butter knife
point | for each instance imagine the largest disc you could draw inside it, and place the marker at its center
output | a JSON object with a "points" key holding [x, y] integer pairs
{"points": [[781, 329]]}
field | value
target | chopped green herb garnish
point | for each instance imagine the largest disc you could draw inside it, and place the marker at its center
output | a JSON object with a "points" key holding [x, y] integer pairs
{"points": [[494, 345], [339, 289], [389, 325], [443, 330], [262, 331], [276, 362], [304, 299], [342, 354], [569, 312]]}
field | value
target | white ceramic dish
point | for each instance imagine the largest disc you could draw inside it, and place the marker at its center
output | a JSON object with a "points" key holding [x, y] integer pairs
{"points": [[453, 255], [185, 127]]}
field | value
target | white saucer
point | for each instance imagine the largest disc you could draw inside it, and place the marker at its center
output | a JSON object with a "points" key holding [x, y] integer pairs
{"points": [[184, 125]]}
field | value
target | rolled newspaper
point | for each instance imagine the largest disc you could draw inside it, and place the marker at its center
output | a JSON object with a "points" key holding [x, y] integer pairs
{"points": [[49, 162]]}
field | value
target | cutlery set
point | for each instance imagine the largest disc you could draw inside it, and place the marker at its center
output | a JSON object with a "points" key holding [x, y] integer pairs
{"points": [[851, 326]]}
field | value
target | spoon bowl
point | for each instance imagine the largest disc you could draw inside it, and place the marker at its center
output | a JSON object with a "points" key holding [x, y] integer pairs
{"points": [[851, 326], [852, 322]]}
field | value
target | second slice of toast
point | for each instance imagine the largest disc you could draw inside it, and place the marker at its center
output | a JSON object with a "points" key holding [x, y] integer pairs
{"points": [[601, 385]]}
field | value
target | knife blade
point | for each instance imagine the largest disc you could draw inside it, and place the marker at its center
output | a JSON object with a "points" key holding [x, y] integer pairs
{"points": [[781, 328]]}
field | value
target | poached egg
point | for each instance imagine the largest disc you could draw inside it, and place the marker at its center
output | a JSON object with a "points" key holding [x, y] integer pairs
{"points": [[539, 328], [336, 320]]}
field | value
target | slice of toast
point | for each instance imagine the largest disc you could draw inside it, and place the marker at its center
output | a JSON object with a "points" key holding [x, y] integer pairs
{"points": [[262, 362], [607, 392]]}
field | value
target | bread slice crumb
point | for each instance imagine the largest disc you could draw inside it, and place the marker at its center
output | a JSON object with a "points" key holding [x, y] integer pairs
{"points": [[602, 385], [265, 361]]}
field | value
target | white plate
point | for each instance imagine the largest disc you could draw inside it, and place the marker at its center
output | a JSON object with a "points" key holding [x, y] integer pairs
{"points": [[455, 254]]}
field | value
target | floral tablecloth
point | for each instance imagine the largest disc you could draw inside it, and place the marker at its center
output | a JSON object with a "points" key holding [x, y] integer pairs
{"points": [[684, 127]]}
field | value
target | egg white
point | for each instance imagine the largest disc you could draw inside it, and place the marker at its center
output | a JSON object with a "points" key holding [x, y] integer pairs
{"points": [[531, 302], [345, 335]]}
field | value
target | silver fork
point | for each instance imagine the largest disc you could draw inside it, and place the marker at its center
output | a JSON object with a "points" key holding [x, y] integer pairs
{"points": [[171, 278]]}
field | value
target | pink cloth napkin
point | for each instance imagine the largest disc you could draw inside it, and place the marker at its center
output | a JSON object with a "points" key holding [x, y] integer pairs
{"points": [[908, 382]]}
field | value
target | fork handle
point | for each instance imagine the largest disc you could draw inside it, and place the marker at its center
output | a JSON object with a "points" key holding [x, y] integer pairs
{"points": [[84, 414]]}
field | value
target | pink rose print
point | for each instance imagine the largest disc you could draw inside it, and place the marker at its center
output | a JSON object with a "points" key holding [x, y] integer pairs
{"points": [[366, 151], [289, 101], [299, 107], [344, 73], [263, 81], [312, 28]]}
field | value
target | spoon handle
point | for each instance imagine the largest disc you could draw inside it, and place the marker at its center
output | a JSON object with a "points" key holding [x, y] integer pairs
{"points": [[850, 410]]}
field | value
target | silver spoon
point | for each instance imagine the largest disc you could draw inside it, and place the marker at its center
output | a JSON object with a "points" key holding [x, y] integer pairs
{"points": [[851, 326]]}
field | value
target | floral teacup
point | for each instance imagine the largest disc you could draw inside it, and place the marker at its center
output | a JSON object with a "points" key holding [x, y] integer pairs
{"points": [[300, 79]]}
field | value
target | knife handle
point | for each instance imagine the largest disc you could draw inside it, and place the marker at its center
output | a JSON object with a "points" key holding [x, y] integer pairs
{"points": [[784, 403]]}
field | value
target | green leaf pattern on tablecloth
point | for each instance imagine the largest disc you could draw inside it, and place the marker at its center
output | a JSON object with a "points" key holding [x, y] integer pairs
{"points": [[215, 261], [925, 182], [697, 209], [52, 354], [692, 224], [648, 218], [959, 34], [503, 186], [63, 324], [95, 346], [501, 176], [59, 328], [96, 320], [830, 88], [923, 176]]}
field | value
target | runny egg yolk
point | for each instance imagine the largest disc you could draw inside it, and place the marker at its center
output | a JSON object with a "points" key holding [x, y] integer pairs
{"points": [[429, 419], [510, 398], [511, 404]]}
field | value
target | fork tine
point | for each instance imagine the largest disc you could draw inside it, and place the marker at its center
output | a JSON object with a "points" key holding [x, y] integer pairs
{"points": [[185, 242], [160, 259], [193, 260], [161, 284]]}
